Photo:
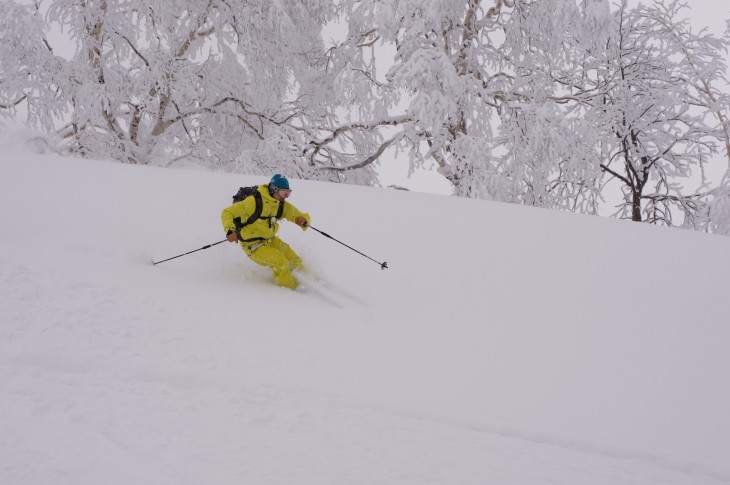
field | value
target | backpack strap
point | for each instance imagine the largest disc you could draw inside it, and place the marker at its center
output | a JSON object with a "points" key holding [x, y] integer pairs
{"points": [[257, 215], [253, 217]]}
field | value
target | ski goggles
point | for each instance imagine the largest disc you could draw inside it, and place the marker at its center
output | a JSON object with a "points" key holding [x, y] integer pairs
{"points": [[283, 192]]}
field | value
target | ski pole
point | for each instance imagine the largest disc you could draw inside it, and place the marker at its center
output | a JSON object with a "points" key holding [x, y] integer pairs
{"points": [[383, 265], [184, 254]]}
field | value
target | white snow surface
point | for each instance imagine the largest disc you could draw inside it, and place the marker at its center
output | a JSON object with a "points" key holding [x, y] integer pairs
{"points": [[504, 344]]}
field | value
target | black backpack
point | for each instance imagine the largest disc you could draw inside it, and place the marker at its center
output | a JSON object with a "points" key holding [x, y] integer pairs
{"points": [[244, 192]]}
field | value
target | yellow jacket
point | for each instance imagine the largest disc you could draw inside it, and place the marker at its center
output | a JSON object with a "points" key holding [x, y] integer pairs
{"points": [[266, 226]]}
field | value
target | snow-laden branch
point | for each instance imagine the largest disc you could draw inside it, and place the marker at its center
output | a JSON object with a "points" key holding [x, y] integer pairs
{"points": [[369, 160], [315, 147], [13, 103]]}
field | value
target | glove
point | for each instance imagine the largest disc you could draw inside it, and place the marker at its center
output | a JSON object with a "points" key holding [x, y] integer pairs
{"points": [[301, 221], [232, 235]]}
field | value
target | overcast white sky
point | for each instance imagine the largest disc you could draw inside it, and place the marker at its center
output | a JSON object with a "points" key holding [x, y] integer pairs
{"points": [[709, 13]]}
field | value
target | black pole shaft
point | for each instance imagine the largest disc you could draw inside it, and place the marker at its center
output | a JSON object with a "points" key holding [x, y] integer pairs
{"points": [[383, 265], [189, 252]]}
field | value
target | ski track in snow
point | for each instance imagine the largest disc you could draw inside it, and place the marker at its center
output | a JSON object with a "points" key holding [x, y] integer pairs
{"points": [[306, 430], [331, 294]]}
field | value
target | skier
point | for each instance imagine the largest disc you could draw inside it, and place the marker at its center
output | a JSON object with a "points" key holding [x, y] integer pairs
{"points": [[258, 237]]}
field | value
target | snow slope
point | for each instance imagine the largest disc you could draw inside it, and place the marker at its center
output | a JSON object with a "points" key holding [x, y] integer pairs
{"points": [[505, 345]]}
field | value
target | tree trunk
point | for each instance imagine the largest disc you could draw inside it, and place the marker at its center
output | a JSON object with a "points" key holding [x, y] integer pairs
{"points": [[636, 205]]}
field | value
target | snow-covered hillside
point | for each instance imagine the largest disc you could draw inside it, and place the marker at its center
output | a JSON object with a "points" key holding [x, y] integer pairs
{"points": [[505, 345]]}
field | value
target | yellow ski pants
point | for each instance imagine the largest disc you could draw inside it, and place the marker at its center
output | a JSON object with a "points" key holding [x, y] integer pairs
{"points": [[277, 255]]}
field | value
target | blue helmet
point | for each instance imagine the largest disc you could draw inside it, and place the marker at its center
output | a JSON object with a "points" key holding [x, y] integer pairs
{"points": [[279, 181]]}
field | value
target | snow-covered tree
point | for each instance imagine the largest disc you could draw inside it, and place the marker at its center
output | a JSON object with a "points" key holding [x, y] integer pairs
{"points": [[569, 104], [718, 206], [31, 76], [550, 150], [545, 102], [656, 140], [474, 88], [210, 80], [424, 77]]}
